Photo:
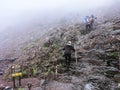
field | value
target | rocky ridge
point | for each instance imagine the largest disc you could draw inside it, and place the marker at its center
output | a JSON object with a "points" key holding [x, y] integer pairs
{"points": [[98, 56]]}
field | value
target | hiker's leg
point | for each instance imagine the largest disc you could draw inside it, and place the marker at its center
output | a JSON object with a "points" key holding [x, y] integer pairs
{"points": [[86, 28], [89, 28], [91, 25], [69, 61], [65, 60]]}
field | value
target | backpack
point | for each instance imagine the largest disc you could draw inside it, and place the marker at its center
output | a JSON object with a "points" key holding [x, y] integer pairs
{"points": [[86, 20], [90, 19]]}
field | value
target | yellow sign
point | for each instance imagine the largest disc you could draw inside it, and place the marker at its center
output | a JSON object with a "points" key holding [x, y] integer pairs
{"points": [[16, 74]]}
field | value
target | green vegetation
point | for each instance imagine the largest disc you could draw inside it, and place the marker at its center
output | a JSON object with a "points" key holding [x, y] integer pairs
{"points": [[34, 71], [48, 71], [19, 88], [57, 46], [113, 54], [44, 47], [24, 73], [25, 48], [61, 64]]}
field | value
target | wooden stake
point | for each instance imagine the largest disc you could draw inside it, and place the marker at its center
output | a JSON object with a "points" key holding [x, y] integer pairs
{"points": [[19, 81], [14, 86], [119, 57], [56, 71], [76, 57]]}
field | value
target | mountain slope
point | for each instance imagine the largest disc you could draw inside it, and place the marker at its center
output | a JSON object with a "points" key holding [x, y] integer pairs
{"points": [[97, 55]]}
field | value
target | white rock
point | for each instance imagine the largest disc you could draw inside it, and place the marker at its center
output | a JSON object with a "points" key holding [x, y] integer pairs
{"points": [[89, 86]]}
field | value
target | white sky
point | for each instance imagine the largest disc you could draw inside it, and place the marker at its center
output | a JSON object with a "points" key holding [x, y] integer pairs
{"points": [[13, 10], [26, 5]]}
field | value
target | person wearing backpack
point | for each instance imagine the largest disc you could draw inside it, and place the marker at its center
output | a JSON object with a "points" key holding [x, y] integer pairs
{"points": [[87, 23], [68, 49], [92, 19]]}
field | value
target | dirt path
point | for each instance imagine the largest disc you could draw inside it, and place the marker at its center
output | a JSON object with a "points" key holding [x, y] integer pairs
{"points": [[2, 81], [35, 82]]}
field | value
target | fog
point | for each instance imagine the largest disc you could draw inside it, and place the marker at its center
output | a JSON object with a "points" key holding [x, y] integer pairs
{"points": [[24, 21], [14, 12]]}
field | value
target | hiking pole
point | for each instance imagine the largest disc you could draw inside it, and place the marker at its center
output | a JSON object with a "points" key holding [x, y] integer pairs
{"points": [[76, 56], [56, 70], [119, 57]]}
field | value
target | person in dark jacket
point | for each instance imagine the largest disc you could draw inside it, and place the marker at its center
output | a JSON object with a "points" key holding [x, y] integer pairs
{"points": [[67, 53]]}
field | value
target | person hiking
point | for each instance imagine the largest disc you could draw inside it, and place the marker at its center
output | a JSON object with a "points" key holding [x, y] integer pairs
{"points": [[67, 53], [92, 19], [87, 23]]}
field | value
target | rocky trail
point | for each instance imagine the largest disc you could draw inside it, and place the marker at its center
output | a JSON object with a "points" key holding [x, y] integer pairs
{"points": [[98, 58]]}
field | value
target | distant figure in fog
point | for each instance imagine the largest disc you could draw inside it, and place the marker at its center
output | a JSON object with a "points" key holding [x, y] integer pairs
{"points": [[87, 24], [92, 19]]}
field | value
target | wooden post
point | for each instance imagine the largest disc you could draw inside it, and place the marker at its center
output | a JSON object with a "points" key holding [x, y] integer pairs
{"points": [[45, 83], [118, 49], [16, 72], [14, 86], [20, 76], [76, 54], [76, 57], [12, 71], [19, 81], [56, 70], [29, 86]]}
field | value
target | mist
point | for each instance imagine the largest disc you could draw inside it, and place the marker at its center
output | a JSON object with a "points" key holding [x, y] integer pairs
{"points": [[23, 21], [15, 12]]}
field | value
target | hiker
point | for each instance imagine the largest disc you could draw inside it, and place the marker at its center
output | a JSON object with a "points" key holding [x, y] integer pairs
{"points": [[67, 53], [87, 23], [92, 19]]}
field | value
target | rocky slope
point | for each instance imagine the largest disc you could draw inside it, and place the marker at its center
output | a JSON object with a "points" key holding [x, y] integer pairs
{"points": [[95, 64], [97, 55]]}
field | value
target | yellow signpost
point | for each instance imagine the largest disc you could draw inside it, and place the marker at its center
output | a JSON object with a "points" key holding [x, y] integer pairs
{"points": [[16, 72], [17, 75]]}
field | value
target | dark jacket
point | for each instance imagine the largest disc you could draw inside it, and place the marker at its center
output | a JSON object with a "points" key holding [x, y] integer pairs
{"points": [[68, 49]]}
